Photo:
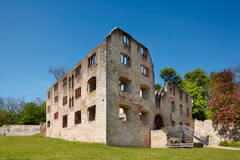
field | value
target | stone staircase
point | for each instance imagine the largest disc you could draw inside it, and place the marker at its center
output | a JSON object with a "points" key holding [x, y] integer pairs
{"points": [[180, 145], [180, 132]]}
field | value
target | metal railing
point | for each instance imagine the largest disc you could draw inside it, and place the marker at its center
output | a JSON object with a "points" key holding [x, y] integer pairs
{"points": [[178, 131]]}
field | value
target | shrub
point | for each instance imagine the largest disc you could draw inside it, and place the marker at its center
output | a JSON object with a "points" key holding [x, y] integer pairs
{"points": [[230, 144]]}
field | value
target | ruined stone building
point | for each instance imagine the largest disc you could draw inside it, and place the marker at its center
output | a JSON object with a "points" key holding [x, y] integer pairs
{"points": [[109, 97]]}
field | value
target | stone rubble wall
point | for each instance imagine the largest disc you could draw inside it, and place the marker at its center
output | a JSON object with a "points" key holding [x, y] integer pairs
{"points": [[158, 139], [215, 134], [19, 130], [43, 129]]}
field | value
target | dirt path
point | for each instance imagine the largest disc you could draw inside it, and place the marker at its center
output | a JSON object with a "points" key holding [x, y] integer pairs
{"points": [[222, 147]]}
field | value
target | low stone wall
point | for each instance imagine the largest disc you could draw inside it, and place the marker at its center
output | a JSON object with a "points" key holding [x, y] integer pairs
{"points": [[158, 139], [19, 130], [214, 133], [43, 129]]}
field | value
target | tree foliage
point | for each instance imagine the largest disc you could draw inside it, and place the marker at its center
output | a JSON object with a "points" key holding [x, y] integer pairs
{"points": [[225, 99], [34, 114], [16, 111], [200, 77], [157, 86], [199, 103], [170, 75]]}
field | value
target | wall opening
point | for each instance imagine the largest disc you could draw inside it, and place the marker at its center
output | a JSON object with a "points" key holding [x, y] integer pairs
{"points": [[92, 60], [158, 99], [143, 115], [123, 113], [92, 84], [64, 124], [181, 109], [77, 117], [91, 113], [144, 91], [48, 123], [158, 122], [173, 107], [124, 84]]}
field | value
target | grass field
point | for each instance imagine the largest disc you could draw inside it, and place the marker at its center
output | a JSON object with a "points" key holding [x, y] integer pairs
{"points": [[41, 148]]}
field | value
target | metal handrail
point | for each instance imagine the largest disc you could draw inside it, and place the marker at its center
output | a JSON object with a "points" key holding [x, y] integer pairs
{"points": [[173, 130]]}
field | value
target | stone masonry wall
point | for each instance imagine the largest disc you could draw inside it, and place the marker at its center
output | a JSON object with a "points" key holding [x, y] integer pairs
{"points": [[87, 131], [158, 139], [131, 132], [19, 130], [171, 94], [215, 134]]}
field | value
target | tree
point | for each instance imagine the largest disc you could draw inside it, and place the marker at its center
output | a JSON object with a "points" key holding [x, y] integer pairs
{"points": [[202, 80], [34, 114], [170, 75], [57, 72], [157, 86], [199, 103], [225, 99], [2, 103]]}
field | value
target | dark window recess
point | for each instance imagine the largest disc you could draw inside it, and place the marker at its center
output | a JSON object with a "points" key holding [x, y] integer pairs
{"points": [[125, 60], [72, 81], [92, 113], [64, 81], [92, 60], [55, 86], [144, 52], [144, 117], [65, 123], [170, 91], [77, 92], [92, 84], [187, 112], [186, 97], [180, 94], [173, 107], [48, 123], [48, 95], [144, 91], [56, 115], [144, 71], [55, 98], [71, 102], [174, 88], [78, 71], [126, 40], [77, 117], [64, 100]]}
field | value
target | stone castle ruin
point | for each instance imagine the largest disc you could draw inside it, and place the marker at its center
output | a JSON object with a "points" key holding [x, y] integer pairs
{"points": [[109, 97]]}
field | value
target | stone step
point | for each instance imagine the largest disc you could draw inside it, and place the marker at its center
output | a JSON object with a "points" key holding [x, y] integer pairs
{"points": [[181, 145]]}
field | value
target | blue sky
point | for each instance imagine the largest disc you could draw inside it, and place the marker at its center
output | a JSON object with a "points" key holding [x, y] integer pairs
{"points": [[186, 34]]}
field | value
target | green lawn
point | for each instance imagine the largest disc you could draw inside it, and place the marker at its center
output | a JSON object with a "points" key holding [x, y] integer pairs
{"points": [[36, 148]]}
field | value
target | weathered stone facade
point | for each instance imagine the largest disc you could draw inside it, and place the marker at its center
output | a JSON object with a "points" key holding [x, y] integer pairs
{"points": [[216, 134], [109, 97]]}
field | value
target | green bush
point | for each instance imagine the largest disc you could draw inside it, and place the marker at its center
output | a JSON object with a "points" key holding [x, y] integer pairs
{"points": [[230, 144]]}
